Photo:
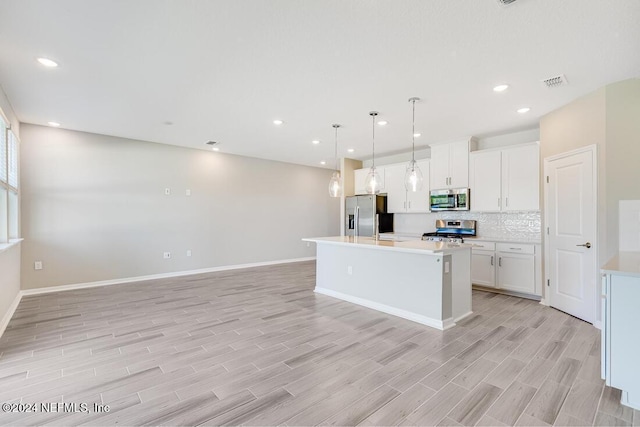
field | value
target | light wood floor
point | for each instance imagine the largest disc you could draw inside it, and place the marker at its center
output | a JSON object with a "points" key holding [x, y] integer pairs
{"points": [[258, 347]]}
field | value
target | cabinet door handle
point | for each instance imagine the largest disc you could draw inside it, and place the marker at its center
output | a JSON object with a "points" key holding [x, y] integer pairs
{"points": [[409, 204], [506, 201], [491, 259], [498, 201], [404, 205], [500, 262]]}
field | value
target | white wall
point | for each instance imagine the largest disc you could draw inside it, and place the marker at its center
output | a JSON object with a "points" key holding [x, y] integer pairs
{"points": [[9, 259], [93, 208]]}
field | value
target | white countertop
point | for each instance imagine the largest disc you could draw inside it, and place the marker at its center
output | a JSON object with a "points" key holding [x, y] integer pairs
{"points": [[415, 236], [533, 241], [414, 246], [625, 263]]}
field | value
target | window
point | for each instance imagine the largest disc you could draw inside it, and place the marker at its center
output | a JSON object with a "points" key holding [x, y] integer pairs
{"points": [[9, 196]]}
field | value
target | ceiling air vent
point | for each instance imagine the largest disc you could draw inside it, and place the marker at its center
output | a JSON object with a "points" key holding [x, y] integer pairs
{"points": [[211, 143], [555, 81], [506, 1]]}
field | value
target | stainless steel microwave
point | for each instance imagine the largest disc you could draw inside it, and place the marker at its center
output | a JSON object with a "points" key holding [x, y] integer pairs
{"points": [[454, 199]]}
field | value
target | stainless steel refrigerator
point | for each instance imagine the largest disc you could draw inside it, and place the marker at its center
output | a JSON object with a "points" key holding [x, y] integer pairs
{"points": [[361, 214]]}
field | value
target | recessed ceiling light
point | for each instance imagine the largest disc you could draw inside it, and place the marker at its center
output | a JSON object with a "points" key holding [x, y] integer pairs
{"points": [[500, 88], [323, 162], [278, 122], [523, 110], [350, 150], [48, 62], [383, 122], [216, 148], [417, 135], [54, 124], [315, 142]]}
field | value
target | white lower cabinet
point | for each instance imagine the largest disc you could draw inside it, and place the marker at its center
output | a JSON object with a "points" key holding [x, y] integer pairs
{"points": [[506, 266], [620, 324], [483, 270]]}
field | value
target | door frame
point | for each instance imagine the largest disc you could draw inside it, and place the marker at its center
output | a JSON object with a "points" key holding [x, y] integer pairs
{"points": [[593, 148]]}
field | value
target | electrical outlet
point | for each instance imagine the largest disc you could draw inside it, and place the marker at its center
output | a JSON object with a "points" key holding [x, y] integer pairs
{"points": [[349, 270], [187, 192], [167, 191], [167, 255], [37, 265], [308, 244], [188, 252]]}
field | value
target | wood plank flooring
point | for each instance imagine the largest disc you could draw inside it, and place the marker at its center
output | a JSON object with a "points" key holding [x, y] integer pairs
{"points": [[258, 347]]}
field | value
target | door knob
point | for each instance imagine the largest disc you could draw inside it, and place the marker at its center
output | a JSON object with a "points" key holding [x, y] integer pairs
{"points": [[586, 245]]}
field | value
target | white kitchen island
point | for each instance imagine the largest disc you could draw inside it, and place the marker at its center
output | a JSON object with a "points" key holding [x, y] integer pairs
{"points": [[426, 282]]}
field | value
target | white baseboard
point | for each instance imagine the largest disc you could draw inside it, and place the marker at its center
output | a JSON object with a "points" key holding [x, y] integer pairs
{"points": [[424, 320], [544, 302], [38, 291], [598, 324], [464, 316], [9, 314]]}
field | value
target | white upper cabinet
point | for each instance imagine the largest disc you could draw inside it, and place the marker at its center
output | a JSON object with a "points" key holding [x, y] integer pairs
{"points": [[521, 178], [505, 180], [419, 201], [396, 192], [399, 200], [485, 180], [360, 175], [450, 165]]}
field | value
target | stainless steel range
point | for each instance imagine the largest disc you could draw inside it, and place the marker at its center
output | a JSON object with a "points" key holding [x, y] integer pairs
{"points": [[451, 230]]}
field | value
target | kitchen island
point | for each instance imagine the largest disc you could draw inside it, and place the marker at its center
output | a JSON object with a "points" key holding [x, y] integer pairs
{"points": [[426, 282]]}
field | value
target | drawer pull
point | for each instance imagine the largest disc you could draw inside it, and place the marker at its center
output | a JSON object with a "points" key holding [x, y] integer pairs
{"points": [[516, 249]]}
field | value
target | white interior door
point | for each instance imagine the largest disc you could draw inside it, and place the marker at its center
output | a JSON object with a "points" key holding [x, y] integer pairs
{"points": [[570, 214]]}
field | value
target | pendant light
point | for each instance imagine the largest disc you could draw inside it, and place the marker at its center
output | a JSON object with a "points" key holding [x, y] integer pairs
{"points": [[335, 184], [413, 179], [372, 181]]}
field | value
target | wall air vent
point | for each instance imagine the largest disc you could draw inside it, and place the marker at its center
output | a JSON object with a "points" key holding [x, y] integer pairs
{"points": [[505, 2], [555, 81]]}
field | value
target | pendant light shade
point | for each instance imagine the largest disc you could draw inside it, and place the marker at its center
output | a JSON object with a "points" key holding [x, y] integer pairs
{"points": [[413, 179], [335, 183], [372, 182]]}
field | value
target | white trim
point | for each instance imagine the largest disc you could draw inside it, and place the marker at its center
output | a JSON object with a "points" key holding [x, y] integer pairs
{"points": [[597, 324], [10, 311], [60, 288], [593, 149], [424, 320], [544, 302], [464, 316]]}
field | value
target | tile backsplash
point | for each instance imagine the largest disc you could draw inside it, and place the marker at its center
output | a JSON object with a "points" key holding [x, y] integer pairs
{"points": [[489, 224]]}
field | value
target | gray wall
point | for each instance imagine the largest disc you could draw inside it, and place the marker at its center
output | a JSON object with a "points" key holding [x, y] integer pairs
{"points": [[9, 259], [94, 208], [607, 118]]}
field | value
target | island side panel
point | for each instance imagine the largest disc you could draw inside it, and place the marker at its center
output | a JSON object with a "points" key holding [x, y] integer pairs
{"points": [[408, 285], [461, 284]]}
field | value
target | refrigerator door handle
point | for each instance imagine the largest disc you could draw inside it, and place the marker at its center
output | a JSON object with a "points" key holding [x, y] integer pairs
{"points": [[356, 214]]}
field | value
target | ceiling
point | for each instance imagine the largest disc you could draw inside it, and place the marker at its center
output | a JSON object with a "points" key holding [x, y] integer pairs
{"points": [[184, 72]]}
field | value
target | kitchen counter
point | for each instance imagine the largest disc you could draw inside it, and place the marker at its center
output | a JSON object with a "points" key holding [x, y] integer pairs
{"points": [[623, 263], [527, 240], [426, 282], [413, 246]]}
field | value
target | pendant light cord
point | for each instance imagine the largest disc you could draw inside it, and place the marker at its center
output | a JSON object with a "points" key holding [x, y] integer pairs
{"points": [[336, 150], [373, 140], [413, 133]]}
